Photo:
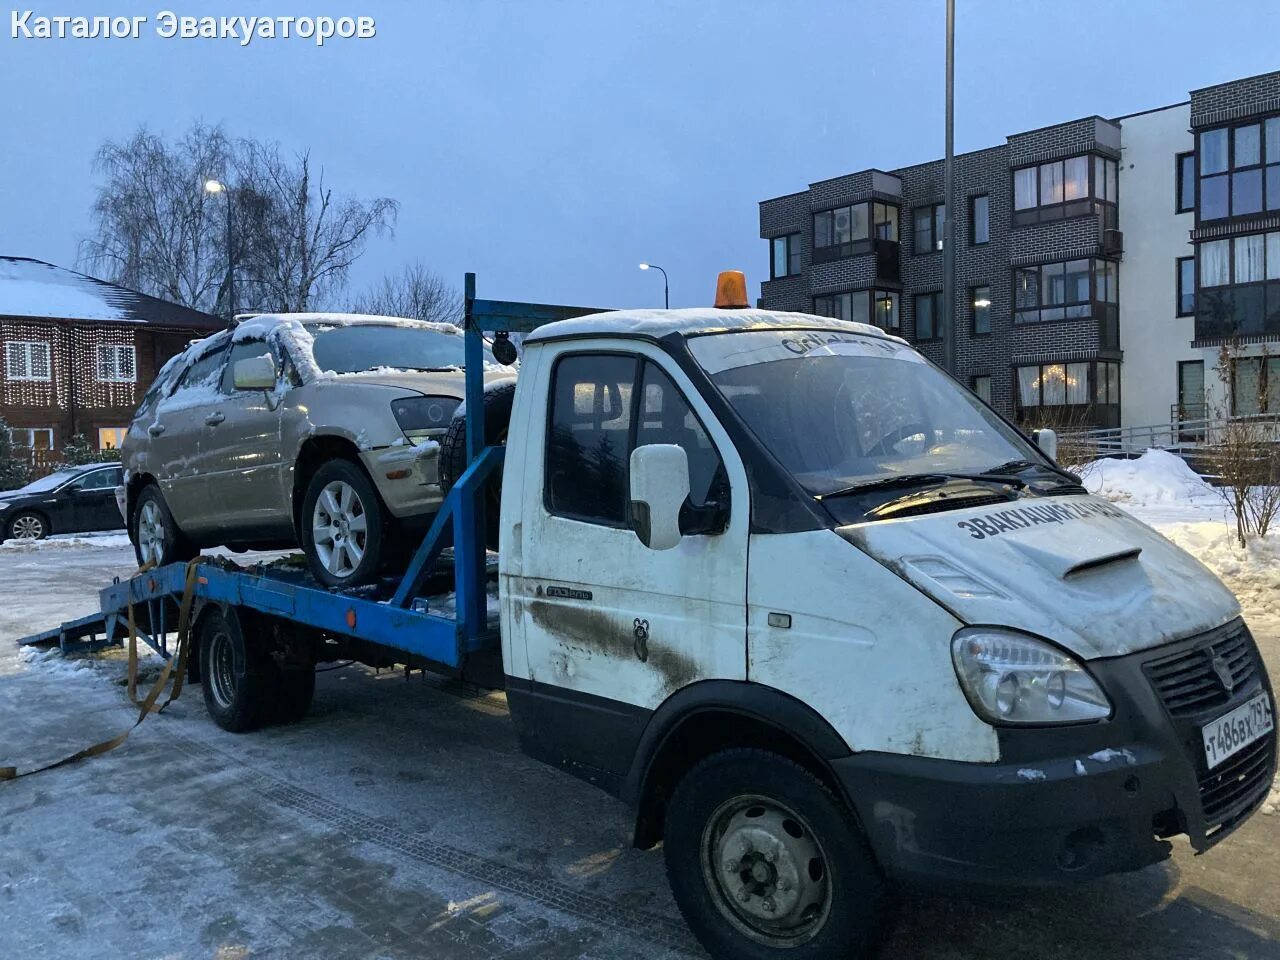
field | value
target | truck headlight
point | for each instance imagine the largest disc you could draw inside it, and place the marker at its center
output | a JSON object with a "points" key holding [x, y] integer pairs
{"points": [[1014, 678], [423, 417]]}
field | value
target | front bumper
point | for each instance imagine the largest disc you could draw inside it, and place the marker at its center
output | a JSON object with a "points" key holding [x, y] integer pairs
{"points": [[407, 478], [1067, 803]]}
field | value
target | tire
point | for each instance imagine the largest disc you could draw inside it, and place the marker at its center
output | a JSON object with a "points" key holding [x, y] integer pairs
{"points": [[155, 536], [341, 501], [453, 451], [294, 692], [27, 525], [238, 677], [765, 862]]}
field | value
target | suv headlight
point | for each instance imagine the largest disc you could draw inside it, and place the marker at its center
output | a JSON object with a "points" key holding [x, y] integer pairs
{"points": [[423, 417], [1014, 678]]}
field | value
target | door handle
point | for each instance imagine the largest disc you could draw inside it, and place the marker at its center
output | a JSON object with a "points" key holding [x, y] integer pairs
{"points": [[156, 429], [214, 418]]}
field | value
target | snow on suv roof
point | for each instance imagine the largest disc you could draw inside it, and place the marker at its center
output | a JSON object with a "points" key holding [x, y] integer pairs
{"points": [[659, 323], [262, 323]]}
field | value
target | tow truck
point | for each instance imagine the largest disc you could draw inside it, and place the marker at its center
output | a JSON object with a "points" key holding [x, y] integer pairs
{"points": [[818, 614]]}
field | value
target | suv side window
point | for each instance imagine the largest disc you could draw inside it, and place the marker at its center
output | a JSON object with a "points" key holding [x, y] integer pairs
{"points": [[242, 351], [597, 418], [205, 371], [588, 438]]}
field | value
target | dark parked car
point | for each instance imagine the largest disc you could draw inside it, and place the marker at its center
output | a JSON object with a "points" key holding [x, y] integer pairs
{"points": [[73, 500]]}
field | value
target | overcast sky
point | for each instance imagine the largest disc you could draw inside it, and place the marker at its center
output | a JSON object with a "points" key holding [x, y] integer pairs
{"points": [[550, 146]]}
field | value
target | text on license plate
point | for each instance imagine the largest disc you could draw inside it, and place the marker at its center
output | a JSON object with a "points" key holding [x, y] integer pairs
{"points": [[1234, 731]]}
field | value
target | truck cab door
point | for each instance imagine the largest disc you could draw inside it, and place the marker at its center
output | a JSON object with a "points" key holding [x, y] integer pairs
{"points": [[605, 620]]}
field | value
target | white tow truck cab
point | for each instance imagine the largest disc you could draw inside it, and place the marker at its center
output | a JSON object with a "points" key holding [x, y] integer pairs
{"points": [[767, 576], [819, 614]]}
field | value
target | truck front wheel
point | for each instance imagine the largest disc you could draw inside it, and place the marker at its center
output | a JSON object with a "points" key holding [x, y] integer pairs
{"points": [[765, 861]]}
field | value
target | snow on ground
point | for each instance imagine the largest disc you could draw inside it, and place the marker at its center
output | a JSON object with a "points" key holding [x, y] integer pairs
{"points": [[67, 541], [1157, 478]]}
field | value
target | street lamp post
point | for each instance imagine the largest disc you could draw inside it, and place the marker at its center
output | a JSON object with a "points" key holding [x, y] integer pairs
{"points": [[666, 294], [214, 187]]}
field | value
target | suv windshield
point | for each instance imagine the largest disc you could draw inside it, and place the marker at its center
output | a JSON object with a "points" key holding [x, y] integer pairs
{"points": [[370, 346], [840, 409]]}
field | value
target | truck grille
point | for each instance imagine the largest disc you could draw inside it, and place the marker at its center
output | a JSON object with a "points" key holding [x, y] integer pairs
{"points": [[1194, 681], [1237, 785]]}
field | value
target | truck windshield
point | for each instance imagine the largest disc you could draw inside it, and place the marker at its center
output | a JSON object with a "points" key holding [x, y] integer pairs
{"points": [[841, 409], [358, 347]]}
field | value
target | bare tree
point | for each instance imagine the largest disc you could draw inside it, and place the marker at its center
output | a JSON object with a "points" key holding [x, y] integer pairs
{"points": [[300, 239], [1244, 453], [414, 292], [155, 228]]}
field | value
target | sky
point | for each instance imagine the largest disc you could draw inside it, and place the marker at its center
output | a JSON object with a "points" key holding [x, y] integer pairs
{"points": [[552, 145]]}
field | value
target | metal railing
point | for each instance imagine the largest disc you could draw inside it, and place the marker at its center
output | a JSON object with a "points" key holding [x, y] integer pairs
{"points": [[1181, 435]]}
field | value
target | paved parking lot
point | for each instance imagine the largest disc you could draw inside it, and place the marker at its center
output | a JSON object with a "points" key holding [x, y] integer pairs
{"points": [[400, 820]]}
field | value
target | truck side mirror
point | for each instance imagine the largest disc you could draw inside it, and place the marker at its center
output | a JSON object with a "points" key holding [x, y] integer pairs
{"points": [[659, 488], [1047, 441], [254, 373]]}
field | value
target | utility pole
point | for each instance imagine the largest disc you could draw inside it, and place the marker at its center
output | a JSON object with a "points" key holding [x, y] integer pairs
{"points": [[948, 224]]}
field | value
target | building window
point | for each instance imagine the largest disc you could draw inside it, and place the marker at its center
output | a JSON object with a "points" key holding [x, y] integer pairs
{"points": [[1063, 291], [837, 232], [929, 224], [979, 219], [861, 306], [929, 316], [27, 360], [1186, 286], [982, 387], [980, 304], [116, 363], [1255, 382], [784, 256], [110, 438], [37, 438], [1186, 199], [1081, 384], [1065, 188], [1238, 292], [1239, 169]]}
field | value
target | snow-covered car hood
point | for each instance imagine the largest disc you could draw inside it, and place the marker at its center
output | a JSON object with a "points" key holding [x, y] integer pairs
{"points": [[1077, 570], [446, 382]]}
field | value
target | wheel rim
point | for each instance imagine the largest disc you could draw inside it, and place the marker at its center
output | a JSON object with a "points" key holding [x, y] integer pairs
{"points": [[339, 528], [28, 528], [766, 871], [222, 669], [151, 532]]}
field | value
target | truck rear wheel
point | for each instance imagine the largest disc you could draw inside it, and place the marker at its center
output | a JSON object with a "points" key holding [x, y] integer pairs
{"points": [[765, 861], [453, 451], [239, 679]]}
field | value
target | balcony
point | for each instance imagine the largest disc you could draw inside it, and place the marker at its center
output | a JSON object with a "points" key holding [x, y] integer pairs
{"points": [[886, 252], [1249, 312]]}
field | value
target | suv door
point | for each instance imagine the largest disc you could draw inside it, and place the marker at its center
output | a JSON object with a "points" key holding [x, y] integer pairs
{"points": [[605, 619], [240, 455], [175, 429], [92, 500]]}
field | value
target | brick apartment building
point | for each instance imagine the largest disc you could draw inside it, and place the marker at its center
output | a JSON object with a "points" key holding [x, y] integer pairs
{"points": [[1101, 264], [78, 353]]}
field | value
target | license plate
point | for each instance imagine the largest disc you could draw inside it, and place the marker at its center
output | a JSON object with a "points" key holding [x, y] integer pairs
{"points": [[1234, 731]]}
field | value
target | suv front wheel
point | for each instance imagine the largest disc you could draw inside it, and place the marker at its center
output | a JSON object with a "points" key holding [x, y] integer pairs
{"points": [[342, 525], [156, 538]]}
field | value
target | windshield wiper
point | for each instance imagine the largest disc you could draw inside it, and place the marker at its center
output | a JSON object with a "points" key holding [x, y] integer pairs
{"points": [[1001, 471], [915, 479]]}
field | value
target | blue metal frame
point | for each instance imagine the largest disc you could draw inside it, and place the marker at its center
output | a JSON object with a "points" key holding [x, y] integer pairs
{"points": [[403, 623]]}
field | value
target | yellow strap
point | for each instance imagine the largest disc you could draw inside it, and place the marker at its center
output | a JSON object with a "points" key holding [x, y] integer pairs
{"points": [[148, 704]]}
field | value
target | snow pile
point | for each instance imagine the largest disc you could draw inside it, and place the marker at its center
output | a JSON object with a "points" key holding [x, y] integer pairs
{"points": [[1253, 574], [67, 542], [1156, 477]]}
